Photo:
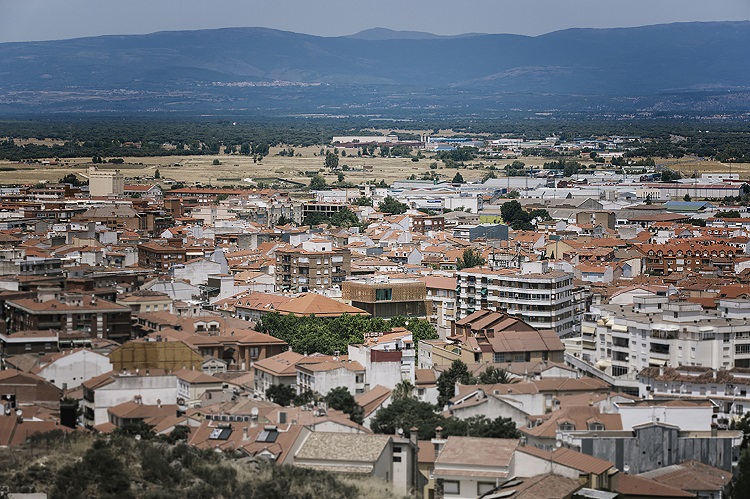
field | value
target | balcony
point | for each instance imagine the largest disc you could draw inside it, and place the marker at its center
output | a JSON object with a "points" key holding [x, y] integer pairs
{"points": [[620, 343], [659, 349]]}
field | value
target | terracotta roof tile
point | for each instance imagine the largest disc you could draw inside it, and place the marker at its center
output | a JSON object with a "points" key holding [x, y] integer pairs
{"points": [[570, 459]]}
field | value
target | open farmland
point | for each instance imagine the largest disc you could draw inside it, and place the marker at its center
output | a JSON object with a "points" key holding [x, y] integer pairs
{"points": [[234, 169]]}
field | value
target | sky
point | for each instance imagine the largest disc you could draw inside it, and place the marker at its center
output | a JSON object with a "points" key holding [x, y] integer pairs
{"points": [[27, 20]]}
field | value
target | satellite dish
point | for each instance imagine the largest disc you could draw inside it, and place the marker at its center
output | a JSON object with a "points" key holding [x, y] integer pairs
{"points": [[254, 411], [19, 412], [400, 431], [138, 438], [558, 444]]}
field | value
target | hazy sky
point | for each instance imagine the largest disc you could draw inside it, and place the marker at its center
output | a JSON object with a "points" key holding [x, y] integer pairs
{"points": [[23, 20]]}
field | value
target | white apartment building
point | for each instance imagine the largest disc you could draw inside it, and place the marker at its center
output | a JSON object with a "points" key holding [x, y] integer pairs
{"points": [[69, 369], [105, 182], [541, 297], [111, 389], [442, 292], [728, 390], [623, 340], [388, 358], [323, 377]]}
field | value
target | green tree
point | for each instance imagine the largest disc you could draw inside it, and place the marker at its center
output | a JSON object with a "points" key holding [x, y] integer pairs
{"points": [[331, 161], [446, 382], [142, 429], [403, 389], [686, 198], [280, 394], [392, 206], [571, 168], [668, 175], [481, 426], [318, 183], [283, 220], [405, 413], [385, 151], [314, 218], [729, 214], [540, 214], [401, 150], [344, 218], [157, 173], [72, 179], [741, 484], [515, 216], [493, 375], [262, 149], [422, 329], [216, 162], [457, 178], [471, 258], [363, 201], [100, 473], [179, 433], [340, 399]]}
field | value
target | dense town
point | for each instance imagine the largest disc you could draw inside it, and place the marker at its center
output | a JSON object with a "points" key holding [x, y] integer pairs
{"points": [[561, 333]]}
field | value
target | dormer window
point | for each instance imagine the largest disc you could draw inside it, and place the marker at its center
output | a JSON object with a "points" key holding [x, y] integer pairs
{"points": [[596, 427], [566, 427]]}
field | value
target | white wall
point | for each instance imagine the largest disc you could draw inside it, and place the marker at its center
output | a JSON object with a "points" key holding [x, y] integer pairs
{"points": [[125, 388], [72, 370], [687, 418], [328, 380], [197, 272], [525, 465]]}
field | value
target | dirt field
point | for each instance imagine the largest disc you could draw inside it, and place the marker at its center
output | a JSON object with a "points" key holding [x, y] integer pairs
{"points": [[233, 169], [688, 166]]}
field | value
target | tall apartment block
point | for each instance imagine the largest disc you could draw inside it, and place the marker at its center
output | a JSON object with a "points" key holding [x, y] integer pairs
{"points": [[314, 265], [539, 296]]}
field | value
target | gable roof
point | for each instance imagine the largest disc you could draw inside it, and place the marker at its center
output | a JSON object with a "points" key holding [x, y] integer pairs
{"points": [[283, 364], [475, 451], [318, 305], [373, 399], [343, 447], [579, 416], [570, 459], [632, 485]]}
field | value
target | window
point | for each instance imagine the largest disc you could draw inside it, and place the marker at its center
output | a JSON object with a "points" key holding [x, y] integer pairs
{"points": [[485, 487], [566, 427], [451, 487], [596, 427], [384, 294], [396, 459]]}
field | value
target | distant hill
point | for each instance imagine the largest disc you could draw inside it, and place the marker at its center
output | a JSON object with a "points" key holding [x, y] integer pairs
{"points": [[258, 69], [389, 34]]}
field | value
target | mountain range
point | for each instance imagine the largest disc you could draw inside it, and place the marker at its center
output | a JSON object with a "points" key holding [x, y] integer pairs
{"points": [[257, 70]]}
